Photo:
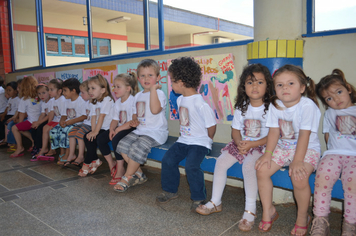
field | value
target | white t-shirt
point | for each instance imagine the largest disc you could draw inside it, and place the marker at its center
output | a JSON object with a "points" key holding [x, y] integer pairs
{"points": [[154, 126], [304, 115], [74, 109], [3, 100], [57, 106], [103, 107], [341, 126], [12, 105], [252, 124], [195, 117], [123, 110], [46, 106], [31, 107], [87, 121]]}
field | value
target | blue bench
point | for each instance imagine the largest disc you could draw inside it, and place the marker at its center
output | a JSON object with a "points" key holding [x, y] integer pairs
{"points": [[280, 178]]}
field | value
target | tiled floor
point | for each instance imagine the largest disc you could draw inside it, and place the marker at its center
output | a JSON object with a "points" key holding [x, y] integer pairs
{"points": [[42, 198]]}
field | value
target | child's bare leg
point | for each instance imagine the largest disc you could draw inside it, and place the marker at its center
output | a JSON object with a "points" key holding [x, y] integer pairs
{"points": [[120, 168], [302, 194], [17, 136], [265, 188], [81, 149], [28, 135], [110, 161], [72, 144], [132, 167], [45, 140]]}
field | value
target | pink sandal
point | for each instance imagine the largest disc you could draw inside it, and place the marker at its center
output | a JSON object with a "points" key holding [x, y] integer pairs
{"points": [[274, 217], [296, 227]]}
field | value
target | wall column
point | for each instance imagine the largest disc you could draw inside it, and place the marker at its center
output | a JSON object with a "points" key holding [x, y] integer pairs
{"points": [[5, 54]]}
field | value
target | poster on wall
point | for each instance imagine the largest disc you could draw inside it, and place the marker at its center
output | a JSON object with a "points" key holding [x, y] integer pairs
{"points": [[109, 73], [132, 67], [77, 74], [218, 86], [44, 77]]}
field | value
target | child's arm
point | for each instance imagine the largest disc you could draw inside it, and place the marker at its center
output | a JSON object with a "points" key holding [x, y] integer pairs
{"points": [[2, 117], [326, 137], [95, 130], [272, 140], [246, 145], [211, 131], [134, 122], [76, 120], [22, 116], [43, 117], [62, 121], [50, 116], [297, 166], [155, 104], [112, 129]]}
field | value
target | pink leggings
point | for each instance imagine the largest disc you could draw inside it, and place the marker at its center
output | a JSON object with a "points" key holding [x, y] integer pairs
{"points": [[327, 174]]}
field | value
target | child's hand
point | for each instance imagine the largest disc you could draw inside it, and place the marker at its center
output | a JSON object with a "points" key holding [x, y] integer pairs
{"points": [[245, 146], [156, 86], [16, 120], [9, 120], [264, 159], [134, 123], [298, 170], [62, 124], [34, 125], [91, 135], [2, 117], [112, 134]]}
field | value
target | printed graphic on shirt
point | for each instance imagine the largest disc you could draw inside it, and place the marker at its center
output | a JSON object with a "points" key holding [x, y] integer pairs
{"points": [[184, 116], [34, 101], [252, 128], [286, 129], [122, 117], [346, 125], [140, 107], [71, 113], [8, 107], [87, 111], [56, 111], [46, 111]]}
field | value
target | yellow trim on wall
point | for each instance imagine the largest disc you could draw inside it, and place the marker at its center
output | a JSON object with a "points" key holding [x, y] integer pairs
{"points": [[275, 48]]}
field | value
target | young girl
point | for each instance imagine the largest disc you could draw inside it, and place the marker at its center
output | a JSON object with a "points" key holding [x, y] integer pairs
{"points": [[249, 133], [102, 100], [11, 142], [37, 126], [125, 86], [56, 105], [11, 109], [77, 132], [29, 106], [339, 128], [292, 140]]}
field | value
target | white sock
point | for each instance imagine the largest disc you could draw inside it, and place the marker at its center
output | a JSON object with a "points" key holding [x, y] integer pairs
{"points": [[250, 205]]}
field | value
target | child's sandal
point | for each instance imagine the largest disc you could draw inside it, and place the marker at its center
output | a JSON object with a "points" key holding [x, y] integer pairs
{"points": [[95, 165], [129, 182], [82, 172], [245, 225], [348, 229]]}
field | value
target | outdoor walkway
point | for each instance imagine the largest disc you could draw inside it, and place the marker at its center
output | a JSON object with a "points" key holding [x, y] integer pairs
{"points": [[42, 198]]}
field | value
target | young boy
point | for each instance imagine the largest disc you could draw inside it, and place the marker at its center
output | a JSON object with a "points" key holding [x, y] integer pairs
{"points": [[150, 119], [3, 105], [73, 113], [197, 129]]}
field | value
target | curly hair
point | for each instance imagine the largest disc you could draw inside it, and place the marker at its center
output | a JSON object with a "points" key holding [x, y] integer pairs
{"points": [[103, 83], [28, 87], [303, 79], [336, 77], [187, 70], [242, 100]]}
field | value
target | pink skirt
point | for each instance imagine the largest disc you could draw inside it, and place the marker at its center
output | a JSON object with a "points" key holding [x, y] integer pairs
{"points": [[232, 149]]}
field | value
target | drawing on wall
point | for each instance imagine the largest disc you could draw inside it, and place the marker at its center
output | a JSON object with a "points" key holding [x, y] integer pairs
{"points": [[218, 86], [63, 75], [44, 77], [109, 73]]}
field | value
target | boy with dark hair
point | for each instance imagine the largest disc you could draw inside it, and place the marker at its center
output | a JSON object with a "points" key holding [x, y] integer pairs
{"points": [[3, 99], [197, 129], [73, 113]]}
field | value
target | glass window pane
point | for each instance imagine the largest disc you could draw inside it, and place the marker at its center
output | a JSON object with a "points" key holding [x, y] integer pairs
{"points": [[66, 45], [25, 34], [52, 44], [154, 38], [79, 44], [95, 48], [104, 47]]}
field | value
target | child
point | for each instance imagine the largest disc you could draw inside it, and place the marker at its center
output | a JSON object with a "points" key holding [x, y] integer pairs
{"points": [[29, 106], [249, 134], [77, 132], [339, 128], [101, 116], [11, 109], [125, 86], [197, 129], [37, 126], [11, 142], [57, 104], [72, 113], [292, 140], [3, 99], [151, 125]]}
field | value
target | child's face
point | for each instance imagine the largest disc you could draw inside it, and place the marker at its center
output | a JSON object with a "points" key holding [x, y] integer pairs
{"points": [[84, 94], [120, 89], [176, 85], [148, 78], [53, 91], [69, 94], [95, 91], [10, 92], [43, 94], [255, 88], [337, 97], [288, 88]]}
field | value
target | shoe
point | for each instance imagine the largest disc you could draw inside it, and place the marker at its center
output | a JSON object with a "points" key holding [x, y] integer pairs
{"points": [[34, 158], [83, 173], [35, 151], [95, 165], [60, 160], [195, 204], [320, 226], [45, 158], [274, 217], [114, 180], [296, 227], [18, 155], [166, 197], [348, 229], [141, 177], [203, 210], [129, 183], [245, 225]]}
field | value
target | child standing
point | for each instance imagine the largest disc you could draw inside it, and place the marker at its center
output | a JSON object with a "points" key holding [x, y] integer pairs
{"points": [[125, 86], [101, 116], [77, 132], [57, 104], [249, 134], [151, 125], [292, 140], [37, 126], [339, 128], [73, 113], [197, 129], [30, 106]]}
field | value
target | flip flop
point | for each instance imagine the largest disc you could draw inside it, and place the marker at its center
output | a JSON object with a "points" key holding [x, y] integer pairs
{"points": [[274, 217], [114, 180], [45, 158], [60, 161], [76, 163], [18, 155], [296, 227], [113, 170]]}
